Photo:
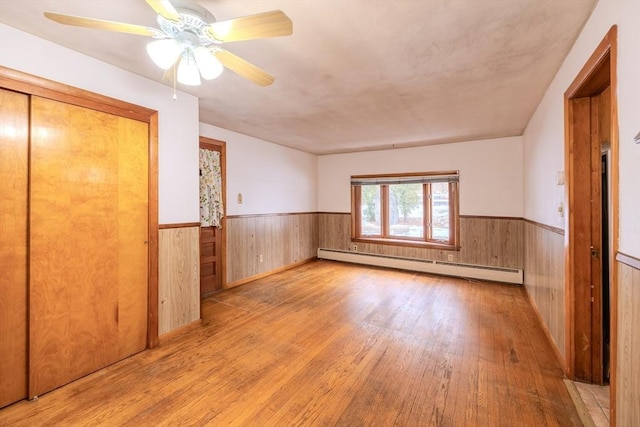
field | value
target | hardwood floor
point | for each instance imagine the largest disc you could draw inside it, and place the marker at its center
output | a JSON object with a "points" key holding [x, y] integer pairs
{"points": [[333, 344]]}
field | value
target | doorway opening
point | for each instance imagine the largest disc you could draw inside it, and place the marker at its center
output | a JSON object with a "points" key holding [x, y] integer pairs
{"points": [[591, 168], [212, 232]]}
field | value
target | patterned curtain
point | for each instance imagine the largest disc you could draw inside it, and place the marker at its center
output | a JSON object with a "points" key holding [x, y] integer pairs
{"points": [[211, 209]]}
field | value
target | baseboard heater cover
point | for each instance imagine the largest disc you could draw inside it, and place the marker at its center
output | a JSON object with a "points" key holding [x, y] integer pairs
{"points": [[495, 274]]}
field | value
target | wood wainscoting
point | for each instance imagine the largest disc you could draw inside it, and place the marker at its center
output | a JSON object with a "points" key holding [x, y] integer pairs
{"points": [[258, 245], [484, 240], [544, 279], [628, 366], [179, 276]]}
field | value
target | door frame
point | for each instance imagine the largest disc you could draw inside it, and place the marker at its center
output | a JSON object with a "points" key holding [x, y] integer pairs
{"points": [[600, 69], [221, 146], [34, 85]]}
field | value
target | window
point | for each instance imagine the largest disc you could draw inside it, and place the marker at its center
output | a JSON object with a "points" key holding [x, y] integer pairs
{"points": [[406, 209]]}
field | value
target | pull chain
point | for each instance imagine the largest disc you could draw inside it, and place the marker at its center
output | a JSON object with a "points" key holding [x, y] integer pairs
{"points": [[175, 95]]}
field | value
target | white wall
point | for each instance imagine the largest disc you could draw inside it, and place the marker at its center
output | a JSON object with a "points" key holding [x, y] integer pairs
{"points": [[270, 177], [490, 173], [178, 120], [544, 135]]}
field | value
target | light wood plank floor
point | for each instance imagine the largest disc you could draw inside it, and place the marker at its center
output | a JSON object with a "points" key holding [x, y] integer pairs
{"points": [[333, 344]]}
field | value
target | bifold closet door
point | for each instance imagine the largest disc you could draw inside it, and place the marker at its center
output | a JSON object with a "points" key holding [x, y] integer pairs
{"points": [[14, 149], [88, 241]]}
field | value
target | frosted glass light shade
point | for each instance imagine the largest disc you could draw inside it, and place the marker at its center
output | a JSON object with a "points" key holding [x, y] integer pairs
{"points": [[208, 64], [188, 70], [164, 53]]}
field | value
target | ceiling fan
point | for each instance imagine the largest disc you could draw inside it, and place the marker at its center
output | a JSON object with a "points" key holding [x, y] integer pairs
{"points": [[189, 40]]}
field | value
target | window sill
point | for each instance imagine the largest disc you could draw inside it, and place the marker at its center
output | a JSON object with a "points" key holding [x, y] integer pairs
{"points": [[408, 243]]}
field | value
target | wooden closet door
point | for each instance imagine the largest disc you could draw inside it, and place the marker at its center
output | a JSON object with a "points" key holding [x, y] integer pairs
{"points": [[88, 241], [14, 149]]}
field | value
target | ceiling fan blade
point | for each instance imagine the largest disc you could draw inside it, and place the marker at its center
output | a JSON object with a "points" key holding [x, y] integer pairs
{"points": [[244, 68], [262, 25], [100, 24], [165, 9]]}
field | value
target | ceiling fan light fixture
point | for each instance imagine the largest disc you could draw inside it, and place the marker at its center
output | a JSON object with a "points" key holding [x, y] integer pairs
{"points": [[164, 53], [188, 39], [208, 64], [188, 73]]}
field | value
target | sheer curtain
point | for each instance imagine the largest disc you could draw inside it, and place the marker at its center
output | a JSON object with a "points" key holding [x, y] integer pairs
{"points": [[211, 209]]}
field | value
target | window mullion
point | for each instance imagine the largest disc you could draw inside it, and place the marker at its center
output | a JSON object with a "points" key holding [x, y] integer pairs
{"points": [[384, 195], [453, 213], [428, 219], [356, 217]]}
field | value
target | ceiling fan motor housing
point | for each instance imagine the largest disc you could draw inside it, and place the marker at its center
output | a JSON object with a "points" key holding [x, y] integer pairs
{"points": [[193, 18]]}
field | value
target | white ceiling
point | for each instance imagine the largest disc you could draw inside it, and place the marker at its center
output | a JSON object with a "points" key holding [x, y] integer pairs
{"points": [[356, 74]]}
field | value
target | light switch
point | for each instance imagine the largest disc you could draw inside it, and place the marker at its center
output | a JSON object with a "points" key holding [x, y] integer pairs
{"points": [[239, 198], [560, 178]]}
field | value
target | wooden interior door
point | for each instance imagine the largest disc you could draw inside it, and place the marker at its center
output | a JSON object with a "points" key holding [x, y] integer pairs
{"points": [[14, 150], [589, 129], [582, 248], [88, 241], [210, 261]]}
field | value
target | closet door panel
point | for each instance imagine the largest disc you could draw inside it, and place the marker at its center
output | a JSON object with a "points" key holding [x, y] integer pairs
{"points": [[88, 249], [14, 149], [133, 236]]}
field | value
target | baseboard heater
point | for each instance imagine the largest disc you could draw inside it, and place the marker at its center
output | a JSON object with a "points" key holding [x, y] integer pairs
{"points": [[495, 274]]}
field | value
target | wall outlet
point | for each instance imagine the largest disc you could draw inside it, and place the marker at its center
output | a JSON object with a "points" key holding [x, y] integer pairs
{"points": [[449, 257], [261, 258], [355, 248]]}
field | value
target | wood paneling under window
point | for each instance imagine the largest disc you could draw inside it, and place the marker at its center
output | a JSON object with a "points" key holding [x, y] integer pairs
{"points": [[497, 242], [491, 241]]}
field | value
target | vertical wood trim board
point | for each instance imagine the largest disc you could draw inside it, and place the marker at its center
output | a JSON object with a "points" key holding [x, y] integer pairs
{"points": [[282, 240], [490, 241], [544, 279], [628, 363], [152, 315], [178, 277], [14, 192]]}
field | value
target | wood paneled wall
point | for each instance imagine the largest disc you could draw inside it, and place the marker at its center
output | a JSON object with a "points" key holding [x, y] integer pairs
{"points": [[544, 278], [628, 366], [178, 277], [282, 240], [491, 241]]}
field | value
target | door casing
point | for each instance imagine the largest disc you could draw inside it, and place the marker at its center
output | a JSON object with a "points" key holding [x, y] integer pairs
{"points": [[581, 147]]}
